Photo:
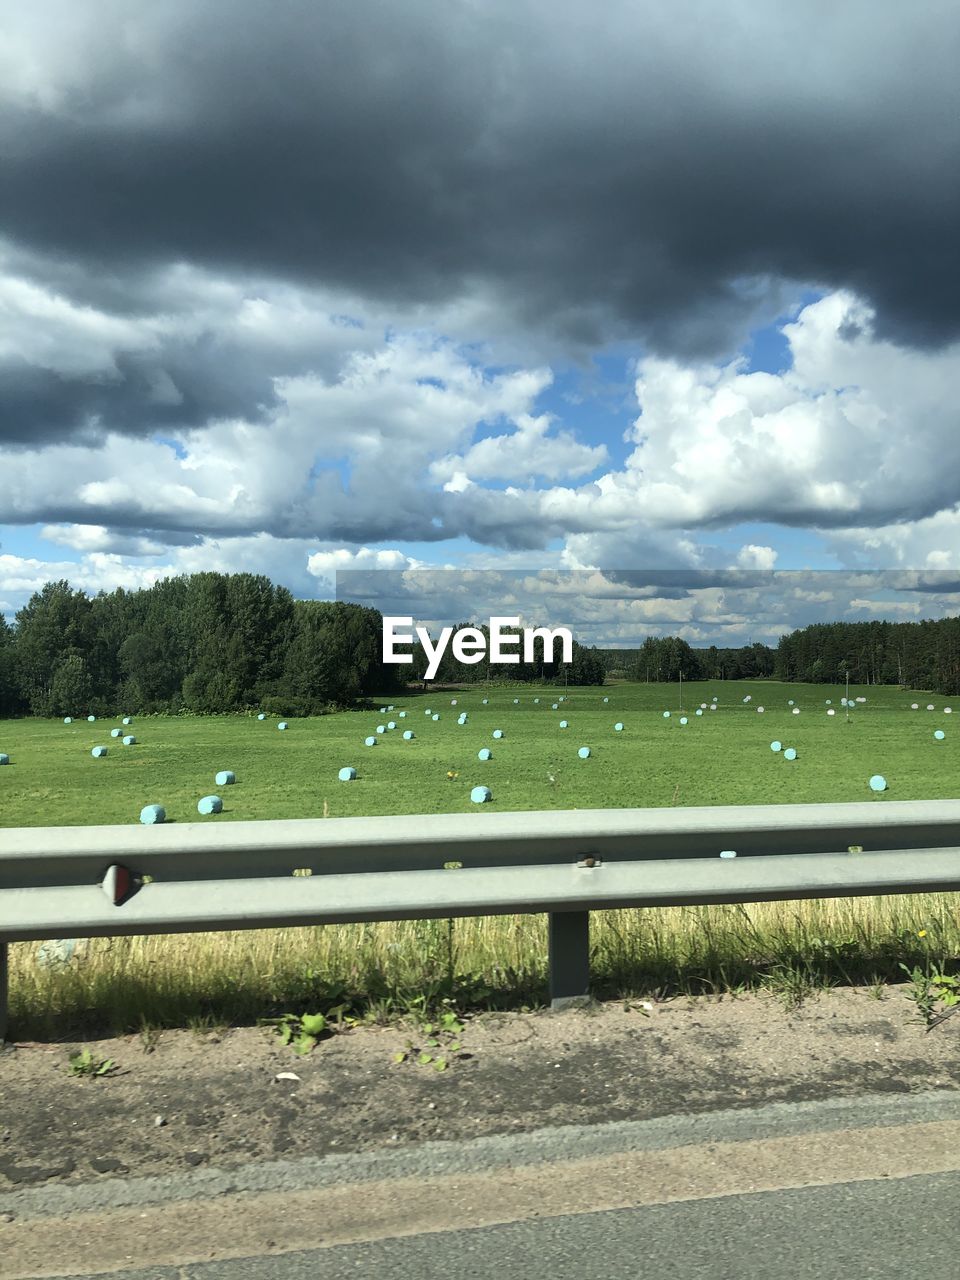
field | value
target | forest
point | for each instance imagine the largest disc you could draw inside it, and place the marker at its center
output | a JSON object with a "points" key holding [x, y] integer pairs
{"points": [[214, 642], [916, 655], [209, 643]]}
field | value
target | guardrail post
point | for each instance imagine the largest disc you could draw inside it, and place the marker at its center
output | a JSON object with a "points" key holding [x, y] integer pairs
{"points": [[569, 952], [4, 988]]}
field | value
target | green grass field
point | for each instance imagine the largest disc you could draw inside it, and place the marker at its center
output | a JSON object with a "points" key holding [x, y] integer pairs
{"points": [[719, 757]]}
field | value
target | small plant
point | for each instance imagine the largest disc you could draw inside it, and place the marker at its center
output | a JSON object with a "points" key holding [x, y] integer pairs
{"points": [[932, 992], [85, 1064], [441, 1040], [300, 1031]]}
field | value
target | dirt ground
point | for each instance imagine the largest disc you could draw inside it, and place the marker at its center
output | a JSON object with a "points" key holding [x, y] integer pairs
{"points": [[189, 1100]]}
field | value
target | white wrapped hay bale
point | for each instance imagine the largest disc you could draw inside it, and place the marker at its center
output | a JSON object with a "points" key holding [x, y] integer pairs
{"points": [[91, 719], [584, 753], [282, 724], [116, 733], [128, 719], [4, 759], [498, 733], [262, 716], [484, 753], [408, 735], [68, 719], [210, 804], [153, 814], [370, 742], [225, 778], [347, 773], [129, 740], [98, 753], [481, 795]]}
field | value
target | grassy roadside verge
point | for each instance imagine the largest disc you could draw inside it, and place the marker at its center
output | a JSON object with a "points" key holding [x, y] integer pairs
{"points": [[381, 971]]}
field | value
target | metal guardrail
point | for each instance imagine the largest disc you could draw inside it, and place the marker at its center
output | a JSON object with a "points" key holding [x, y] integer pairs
{"points": [[175, 878]]}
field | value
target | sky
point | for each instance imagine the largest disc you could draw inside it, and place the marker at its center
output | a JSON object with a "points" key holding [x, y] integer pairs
{"points": [[307, 287]]}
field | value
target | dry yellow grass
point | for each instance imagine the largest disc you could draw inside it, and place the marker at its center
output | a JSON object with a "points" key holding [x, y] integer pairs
{"points": [[122, 984]]}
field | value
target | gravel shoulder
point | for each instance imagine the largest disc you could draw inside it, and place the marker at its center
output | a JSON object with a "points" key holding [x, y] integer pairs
{"points": [[190, 1100]]}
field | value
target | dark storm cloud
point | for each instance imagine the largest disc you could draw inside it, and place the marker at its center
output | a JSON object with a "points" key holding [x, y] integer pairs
{"points": [[614, 172]]}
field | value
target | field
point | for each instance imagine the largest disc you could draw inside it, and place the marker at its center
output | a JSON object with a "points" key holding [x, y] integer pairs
{"points": [[718, 757]]}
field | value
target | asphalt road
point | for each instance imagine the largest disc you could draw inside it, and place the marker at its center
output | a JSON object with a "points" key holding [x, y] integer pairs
{"points": [[857, 1188]]}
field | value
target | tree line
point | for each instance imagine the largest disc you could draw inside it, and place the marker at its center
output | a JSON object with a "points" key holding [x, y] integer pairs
{"points": [[214, 642], [203, 643], [915, 655]]}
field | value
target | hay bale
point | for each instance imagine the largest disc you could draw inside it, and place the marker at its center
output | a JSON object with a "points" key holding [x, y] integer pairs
{"points": [[536, 699], [262, 716], [515, 701], [153, 814], [453, 702], [728, 853], [481, 795], [606, 699], [225, 778], [483, 701], [210, 804], [759, 711], [831, 711], [98, 753], [381, 728], [347, 774], [584, 753], [127, 720], [4, 759], [563, 724], [401, 715], [391, 724], [555, 706], [462, 718], [618, 727], [878, 782], [282, 724], [666, 715], [683, 719], [776, 746], [939, 734], [68, 719], [498, 733], [370, 742], [435, 716], [699, 711], [115, 733], [790, 753], [390, 706], [428, 712], [91, 719], [408, 735], [484, 754], [129, 740], [796, 711]]}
